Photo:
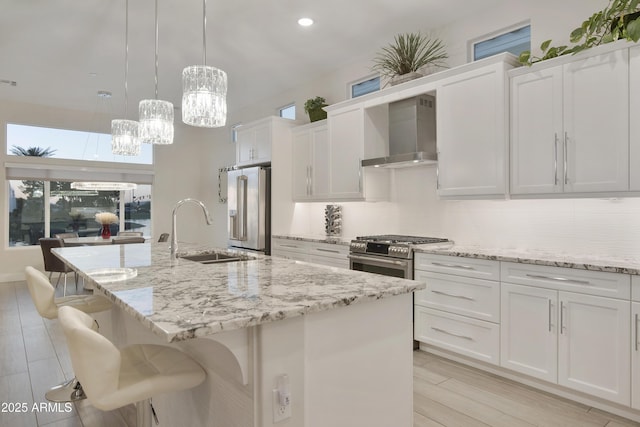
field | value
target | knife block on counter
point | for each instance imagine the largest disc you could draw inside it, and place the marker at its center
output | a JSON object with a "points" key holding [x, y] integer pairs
{"points": [[333, 220]]}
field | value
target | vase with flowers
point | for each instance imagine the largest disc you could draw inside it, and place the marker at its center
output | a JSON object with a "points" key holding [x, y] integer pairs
{"points": [[106, 219]]}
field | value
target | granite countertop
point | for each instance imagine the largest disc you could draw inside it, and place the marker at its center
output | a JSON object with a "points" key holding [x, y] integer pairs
{"points": [[315, 238], [184, 299], [624, 265]]}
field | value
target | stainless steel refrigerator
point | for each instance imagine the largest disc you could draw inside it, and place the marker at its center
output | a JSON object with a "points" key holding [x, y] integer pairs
{"points": [[249, 208]]}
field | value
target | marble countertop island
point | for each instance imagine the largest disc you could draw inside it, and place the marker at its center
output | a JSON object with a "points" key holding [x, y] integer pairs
{"points": [[184, 299]]}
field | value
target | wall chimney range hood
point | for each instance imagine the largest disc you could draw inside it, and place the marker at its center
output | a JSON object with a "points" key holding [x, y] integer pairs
{"points": [[412, 134]]}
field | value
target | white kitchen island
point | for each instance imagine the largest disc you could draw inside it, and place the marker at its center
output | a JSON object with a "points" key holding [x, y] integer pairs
{"points": [[342, 337]]}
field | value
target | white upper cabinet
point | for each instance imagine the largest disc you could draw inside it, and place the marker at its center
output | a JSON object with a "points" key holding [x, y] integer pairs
{"points": [[570, 126], [472, 132], [254, 139], [310, 162], [634, 124], [348, 180], [346, 139], [596, 121], [537, 132]]}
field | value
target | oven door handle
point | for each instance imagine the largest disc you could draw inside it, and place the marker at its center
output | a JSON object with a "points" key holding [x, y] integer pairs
{"points": [[377, 261]]}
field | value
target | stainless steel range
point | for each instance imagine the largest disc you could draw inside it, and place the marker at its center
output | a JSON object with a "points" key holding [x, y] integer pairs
{"points": [[388, 254]]}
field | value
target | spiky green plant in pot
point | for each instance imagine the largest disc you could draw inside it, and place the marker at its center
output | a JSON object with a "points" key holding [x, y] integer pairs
{"points": [[409, 53]]}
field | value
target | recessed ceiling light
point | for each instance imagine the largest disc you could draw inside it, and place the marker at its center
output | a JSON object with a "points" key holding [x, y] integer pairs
{"points": [[305, 22]]}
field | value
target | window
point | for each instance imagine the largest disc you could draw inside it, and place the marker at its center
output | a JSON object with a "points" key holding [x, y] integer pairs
{"points": [[234, 132], [288, 112], [514, 41], [42, 164], [68, 144], [365, 86]]}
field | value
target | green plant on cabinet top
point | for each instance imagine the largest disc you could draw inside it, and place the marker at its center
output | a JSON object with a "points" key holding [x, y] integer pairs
{"points": [[313, 107], [619, 20], [409, 53]]}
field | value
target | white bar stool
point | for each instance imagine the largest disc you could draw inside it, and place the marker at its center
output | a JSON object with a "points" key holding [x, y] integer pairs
{"points": [[113, 378], [43, 296]]}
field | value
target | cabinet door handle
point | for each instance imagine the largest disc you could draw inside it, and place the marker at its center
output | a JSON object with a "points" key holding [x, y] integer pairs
{"points": [[333, 251], [438, 176], [562, 326], [465, 267], [566, 175], [550, 309], [452, 295], [636, 332], [452, 334], [311, 180], [559, 279], [359, 175], [308, 180], [555, 159]]}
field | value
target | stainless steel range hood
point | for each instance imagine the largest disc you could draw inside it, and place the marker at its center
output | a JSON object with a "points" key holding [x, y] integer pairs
{"points": [[412, 134]]}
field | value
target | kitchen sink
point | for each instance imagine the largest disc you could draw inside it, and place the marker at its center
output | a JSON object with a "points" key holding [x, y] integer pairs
{"points": [[213, 258]]}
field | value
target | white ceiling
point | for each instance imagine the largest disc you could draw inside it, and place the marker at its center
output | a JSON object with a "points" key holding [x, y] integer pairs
{"points": [[50, 47]]}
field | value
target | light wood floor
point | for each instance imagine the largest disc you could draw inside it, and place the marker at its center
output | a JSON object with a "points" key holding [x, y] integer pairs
{"points": [[33, 357]]}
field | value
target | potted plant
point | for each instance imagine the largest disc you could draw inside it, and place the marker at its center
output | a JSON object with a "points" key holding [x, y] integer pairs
{"points": [[407, 55], [618, 20], [313, 107]]}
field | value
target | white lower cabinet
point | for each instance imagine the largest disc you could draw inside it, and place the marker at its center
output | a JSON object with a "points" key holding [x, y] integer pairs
{"points": [[594, 347], [297, 250], [635, 355], [330, 254], [577, 340], [528, 340], [473, 338], [458, 311]]}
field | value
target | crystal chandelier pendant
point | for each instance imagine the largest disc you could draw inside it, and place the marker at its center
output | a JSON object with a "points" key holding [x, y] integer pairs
{"points": [[103, 186], [204, 92], [124, 137], [156, 121]]}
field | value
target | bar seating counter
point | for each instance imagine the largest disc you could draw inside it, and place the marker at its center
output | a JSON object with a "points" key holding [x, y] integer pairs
{"points": [[343, 337]]}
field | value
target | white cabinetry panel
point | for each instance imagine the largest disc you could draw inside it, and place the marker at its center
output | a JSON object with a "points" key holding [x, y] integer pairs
{"points": [[597, 143], [528, 338], [537, 135], [594, 347], [635, 355], [561, 139], [634, 113], [471, 133], [475, 298], [460, 334]]}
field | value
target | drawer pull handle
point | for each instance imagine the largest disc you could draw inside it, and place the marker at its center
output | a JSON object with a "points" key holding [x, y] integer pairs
{"points": [[441, 264], [452, 334], [636, 332], [453, 296], [333, 251], [289, 246], [559, 279]]}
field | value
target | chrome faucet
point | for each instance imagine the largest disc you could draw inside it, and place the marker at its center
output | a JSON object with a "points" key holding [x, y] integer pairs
{"points": [[174, 237]]}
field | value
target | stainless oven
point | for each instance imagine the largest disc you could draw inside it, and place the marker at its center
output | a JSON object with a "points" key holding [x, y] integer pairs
{"points": [[388, 255], [386, 266]]}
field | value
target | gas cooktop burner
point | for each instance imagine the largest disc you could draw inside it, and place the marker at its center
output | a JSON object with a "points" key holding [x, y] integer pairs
{"points": [[394, 238]]}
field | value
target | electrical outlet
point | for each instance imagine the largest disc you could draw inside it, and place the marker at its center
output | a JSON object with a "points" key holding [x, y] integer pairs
{"points": [[280, 412]]}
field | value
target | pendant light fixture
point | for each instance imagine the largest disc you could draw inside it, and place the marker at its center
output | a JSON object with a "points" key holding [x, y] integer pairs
{"points": [[124, 133], [156, 116], [204, 89], [103, 186]]}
